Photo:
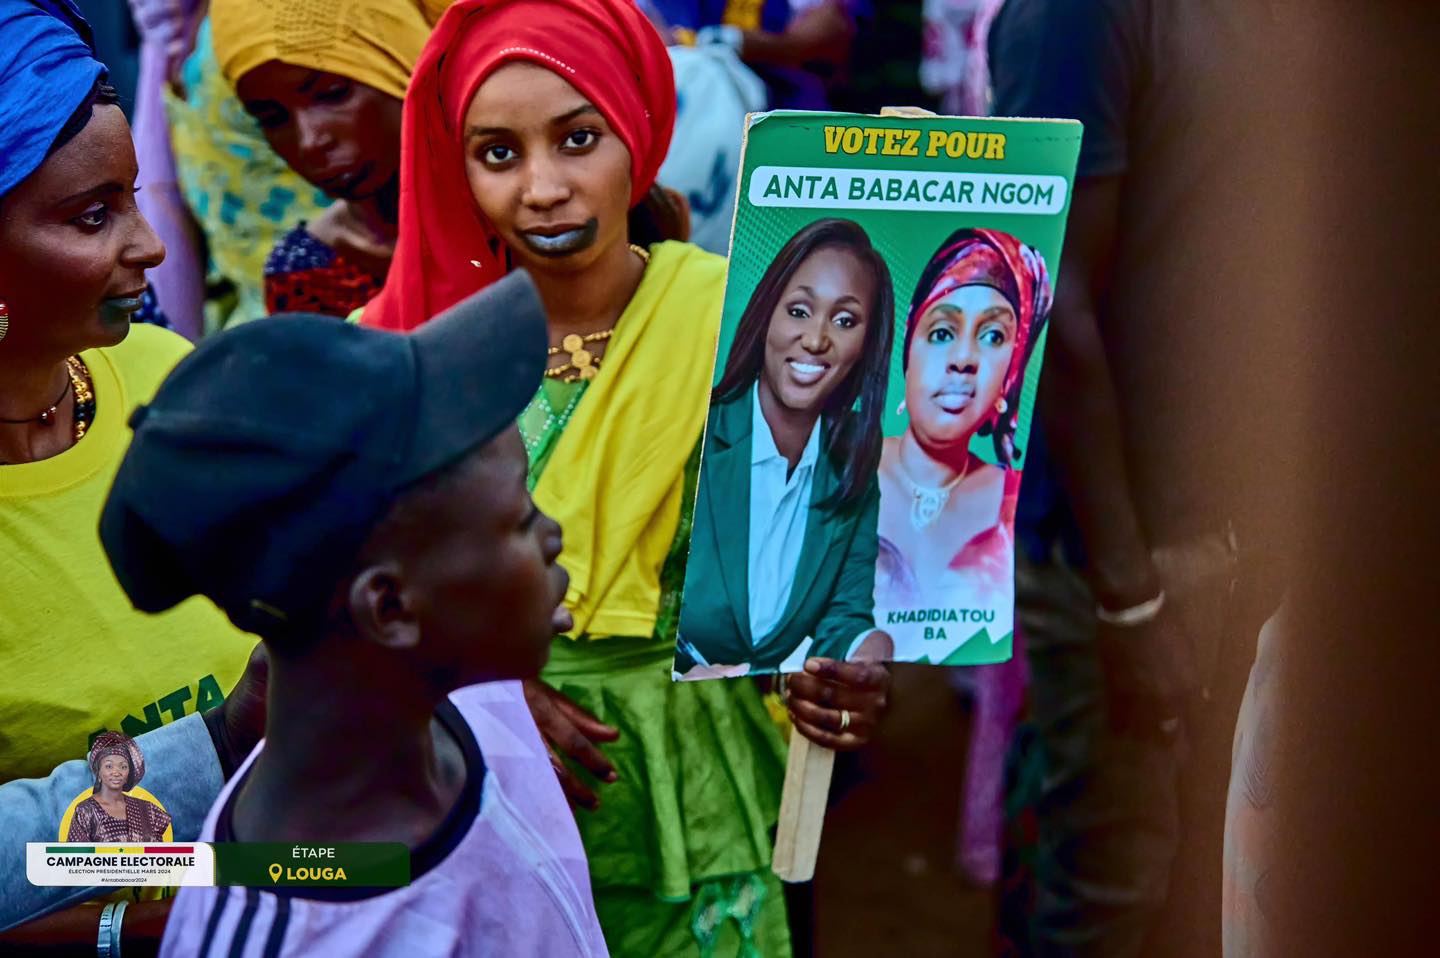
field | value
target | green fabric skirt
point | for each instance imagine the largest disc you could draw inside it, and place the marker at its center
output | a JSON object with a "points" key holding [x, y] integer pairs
{"points": [[680, 847], [742, 916], [700, 768]]}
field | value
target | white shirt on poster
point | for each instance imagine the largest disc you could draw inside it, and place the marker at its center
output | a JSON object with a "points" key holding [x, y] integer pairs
{"points": [[779, 508]]}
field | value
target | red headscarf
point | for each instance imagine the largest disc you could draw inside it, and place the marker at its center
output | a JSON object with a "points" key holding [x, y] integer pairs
{"points": [[606, 49], [979, 257]]}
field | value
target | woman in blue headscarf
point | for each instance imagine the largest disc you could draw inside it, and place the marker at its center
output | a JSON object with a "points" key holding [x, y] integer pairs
{"points": [[73, 255]]}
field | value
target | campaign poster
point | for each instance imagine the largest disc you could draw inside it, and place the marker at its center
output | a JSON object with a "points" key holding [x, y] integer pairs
{"points": [[885, 318]]}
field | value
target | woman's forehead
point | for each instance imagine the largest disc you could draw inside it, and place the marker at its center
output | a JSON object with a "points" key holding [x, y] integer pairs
{"points": [[838, 264], [275, 79], [100, 155], [972, 299], [524, 93]]}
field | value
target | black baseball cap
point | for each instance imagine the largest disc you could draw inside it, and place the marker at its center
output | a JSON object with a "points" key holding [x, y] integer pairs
{"points": [[271, 451]]}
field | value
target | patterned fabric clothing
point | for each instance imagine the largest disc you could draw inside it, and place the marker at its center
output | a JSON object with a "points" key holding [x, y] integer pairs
{"points": [[306, 275], [740, 916], [544, 420], [143, 822], [150, 311], [954, 64]]}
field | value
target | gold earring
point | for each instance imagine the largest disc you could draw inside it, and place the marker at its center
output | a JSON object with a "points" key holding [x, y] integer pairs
{"points": [[1001, 406]]}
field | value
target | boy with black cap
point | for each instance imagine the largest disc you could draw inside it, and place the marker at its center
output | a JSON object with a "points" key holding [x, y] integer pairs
{"points": [[358, 499]]}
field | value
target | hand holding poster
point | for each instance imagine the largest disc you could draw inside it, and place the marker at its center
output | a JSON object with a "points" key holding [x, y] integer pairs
{"points": [[885, 315]]}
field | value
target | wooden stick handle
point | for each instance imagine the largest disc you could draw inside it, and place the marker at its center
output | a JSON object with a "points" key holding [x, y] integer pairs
{"points": [[905, 111], [802, 808]]}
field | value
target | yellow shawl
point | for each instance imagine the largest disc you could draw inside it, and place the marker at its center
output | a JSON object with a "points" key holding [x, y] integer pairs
{"points": [[375, 42], [616, 479]]}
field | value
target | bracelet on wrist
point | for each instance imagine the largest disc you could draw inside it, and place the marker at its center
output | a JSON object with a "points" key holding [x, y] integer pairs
{"points": [[1134, 615], [107, 941], [115, 928]]}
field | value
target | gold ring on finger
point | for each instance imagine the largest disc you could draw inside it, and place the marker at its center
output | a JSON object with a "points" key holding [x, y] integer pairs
{"points": [[844, 719]]}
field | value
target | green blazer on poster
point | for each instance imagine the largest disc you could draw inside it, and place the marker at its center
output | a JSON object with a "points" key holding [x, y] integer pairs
{"points": [[832, 598]]}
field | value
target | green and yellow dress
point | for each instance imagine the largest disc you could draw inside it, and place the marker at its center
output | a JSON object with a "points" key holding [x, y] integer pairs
{"points": [[680, 847]]}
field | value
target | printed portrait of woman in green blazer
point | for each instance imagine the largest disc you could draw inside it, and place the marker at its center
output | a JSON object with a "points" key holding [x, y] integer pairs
{"points": [[782, 557]]}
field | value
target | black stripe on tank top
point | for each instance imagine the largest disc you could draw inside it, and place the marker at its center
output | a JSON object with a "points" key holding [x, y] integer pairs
{"points": [[277, 928], [216, 910], [247, 918]]}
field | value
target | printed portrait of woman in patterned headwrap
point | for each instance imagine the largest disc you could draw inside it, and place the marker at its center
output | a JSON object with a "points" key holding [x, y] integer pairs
{"points": [[115, 809], [947, 510]]}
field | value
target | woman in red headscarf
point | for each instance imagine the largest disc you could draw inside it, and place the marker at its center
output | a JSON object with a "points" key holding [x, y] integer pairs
{"points": [[531, 129], [976, 314]]}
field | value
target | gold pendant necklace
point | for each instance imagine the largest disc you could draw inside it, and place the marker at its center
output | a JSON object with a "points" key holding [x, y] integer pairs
{"points": [[584, 364], [926, 503]]}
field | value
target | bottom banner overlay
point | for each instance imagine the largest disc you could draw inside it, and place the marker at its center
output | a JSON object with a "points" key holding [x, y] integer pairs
{"points": [[164, 863], [369, 865], [260, 864]]}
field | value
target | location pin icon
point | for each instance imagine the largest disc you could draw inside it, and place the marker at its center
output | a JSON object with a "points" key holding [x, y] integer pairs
{"points": [[275, 871]]}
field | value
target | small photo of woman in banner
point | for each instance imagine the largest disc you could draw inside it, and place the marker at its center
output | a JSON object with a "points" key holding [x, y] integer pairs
{"points": [[783, 552], [115, 809], [947, 515]]}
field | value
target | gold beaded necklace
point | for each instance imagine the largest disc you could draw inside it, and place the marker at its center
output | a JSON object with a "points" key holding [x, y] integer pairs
{"points": [[83, 413], [84, 395], [583, 364]]}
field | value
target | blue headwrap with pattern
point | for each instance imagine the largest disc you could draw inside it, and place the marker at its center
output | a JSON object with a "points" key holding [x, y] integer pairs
{"points": [[48, 70]]}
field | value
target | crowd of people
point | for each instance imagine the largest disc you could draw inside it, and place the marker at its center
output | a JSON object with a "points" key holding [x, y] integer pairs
{"points": [[457, 649]]}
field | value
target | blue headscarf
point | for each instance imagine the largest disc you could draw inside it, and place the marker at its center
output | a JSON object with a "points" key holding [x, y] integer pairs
{"points": [[47, 72]]}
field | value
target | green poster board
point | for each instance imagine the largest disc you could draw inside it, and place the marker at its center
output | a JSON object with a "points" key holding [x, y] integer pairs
{"points": [[885, 317]]}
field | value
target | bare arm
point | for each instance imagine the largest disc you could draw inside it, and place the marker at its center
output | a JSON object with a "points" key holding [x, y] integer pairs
{"points": [[822, 34], [1148, 667], [1079, 410], [75, 931]]}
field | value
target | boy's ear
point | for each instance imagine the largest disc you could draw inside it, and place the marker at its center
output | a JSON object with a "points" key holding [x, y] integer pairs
{"points": [[379, 608]]}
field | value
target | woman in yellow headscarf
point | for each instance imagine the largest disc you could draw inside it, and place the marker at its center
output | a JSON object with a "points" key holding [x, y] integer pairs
{"points": [[240, 194], [325, 80]]}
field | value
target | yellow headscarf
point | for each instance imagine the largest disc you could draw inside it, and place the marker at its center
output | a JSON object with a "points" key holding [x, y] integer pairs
{"points": [[375, 42]]}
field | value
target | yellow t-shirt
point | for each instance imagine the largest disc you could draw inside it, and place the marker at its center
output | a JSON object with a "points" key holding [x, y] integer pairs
{"points": [[76, 656]]}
